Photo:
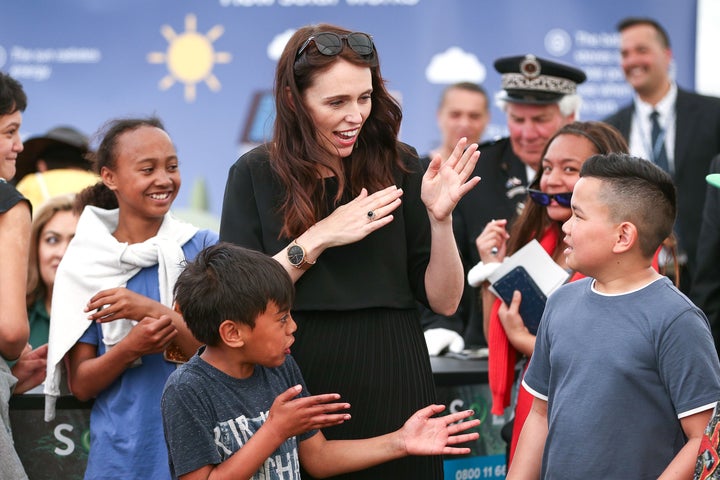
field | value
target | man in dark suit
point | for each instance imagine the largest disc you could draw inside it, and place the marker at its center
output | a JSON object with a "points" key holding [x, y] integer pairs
{"points": [[538, 97], [687, 134]]}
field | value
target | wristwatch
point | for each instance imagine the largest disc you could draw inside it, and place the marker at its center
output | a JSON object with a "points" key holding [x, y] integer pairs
{"points": [[297, 257]]}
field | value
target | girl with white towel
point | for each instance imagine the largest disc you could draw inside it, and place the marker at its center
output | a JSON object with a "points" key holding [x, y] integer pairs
{"points": [[112, 303]]}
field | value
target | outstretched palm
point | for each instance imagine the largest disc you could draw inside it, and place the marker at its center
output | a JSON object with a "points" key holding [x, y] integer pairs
{"points": [[446, 181]]}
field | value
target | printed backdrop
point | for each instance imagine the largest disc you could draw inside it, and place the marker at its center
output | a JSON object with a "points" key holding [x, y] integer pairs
{"points": [[206, 66]]}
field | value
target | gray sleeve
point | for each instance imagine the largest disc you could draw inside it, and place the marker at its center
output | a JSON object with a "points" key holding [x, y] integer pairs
{"points": [[188, 430], [689, 365]]}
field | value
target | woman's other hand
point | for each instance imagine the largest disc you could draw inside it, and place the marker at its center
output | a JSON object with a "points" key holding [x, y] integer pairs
{"points": [[446, 181]]}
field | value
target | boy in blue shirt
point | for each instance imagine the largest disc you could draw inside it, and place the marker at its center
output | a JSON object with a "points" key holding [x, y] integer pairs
{"points": [[239, 408], [624, 373]]}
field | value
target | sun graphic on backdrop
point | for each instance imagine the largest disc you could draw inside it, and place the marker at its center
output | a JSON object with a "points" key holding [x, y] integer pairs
{"points": [[190, 57]]}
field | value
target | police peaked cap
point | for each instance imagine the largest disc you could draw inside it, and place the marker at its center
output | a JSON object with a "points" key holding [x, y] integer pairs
{"points": [[534, 80]]}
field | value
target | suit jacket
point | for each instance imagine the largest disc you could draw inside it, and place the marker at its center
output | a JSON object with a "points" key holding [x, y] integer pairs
{"points": [[697, 141], [706, 283], [498, 195]]}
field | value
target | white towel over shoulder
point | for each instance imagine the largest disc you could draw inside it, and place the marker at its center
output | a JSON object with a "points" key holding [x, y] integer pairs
{"points": [[96, 261]]}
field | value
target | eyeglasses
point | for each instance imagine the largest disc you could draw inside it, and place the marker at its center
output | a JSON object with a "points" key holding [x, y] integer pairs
{"points": [[330, 43], [544, 199]]}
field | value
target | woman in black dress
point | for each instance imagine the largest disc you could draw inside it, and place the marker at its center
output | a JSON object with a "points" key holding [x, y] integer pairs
{"points": [[345, 207]]}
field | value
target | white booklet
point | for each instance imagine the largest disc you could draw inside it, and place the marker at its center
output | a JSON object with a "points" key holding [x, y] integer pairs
{"points": [[535, 274], [541, 267]]}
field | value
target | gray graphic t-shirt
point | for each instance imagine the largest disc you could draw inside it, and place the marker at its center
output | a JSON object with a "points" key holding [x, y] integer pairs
{"points": [[209, 415]]}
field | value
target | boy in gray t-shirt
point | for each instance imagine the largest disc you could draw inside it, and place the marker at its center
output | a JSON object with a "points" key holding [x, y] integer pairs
{"points": [[240, 408], [625, 374]]}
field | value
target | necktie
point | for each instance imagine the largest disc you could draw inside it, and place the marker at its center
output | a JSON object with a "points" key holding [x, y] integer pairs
{"points": [[659, 155]]}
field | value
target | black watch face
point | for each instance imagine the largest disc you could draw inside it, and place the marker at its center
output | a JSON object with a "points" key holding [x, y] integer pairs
{"points": [[296, 255]]}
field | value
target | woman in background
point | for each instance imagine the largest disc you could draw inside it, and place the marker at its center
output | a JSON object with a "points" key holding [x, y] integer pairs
{"points": [[53, 227]]}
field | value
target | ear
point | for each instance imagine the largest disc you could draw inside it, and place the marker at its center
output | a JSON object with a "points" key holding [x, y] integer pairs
{"points": [[176, 308], [627, 237], [233, 334], [108, 177], [41, 165]]}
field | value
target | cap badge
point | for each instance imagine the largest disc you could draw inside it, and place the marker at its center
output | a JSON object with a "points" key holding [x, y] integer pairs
{"points": [[530, 67]]}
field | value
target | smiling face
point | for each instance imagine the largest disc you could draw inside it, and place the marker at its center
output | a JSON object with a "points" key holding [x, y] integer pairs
{"points": [[531, 126], [146, 178], [645, 60], [463, 113], [269, 341], [52, 243], [590, 234], [339, 102], [10, 143], [561, 169]]}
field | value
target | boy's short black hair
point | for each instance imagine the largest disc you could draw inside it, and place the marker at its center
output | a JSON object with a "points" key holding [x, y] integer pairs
{"points": [[638, 191], [12, 95], [228, 282]]}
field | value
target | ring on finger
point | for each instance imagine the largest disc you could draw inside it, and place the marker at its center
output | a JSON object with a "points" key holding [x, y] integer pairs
{"points": [[371, 215]]}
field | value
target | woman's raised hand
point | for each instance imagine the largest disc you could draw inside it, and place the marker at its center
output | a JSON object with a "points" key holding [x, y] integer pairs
{"points": [[446, 181], [358, 218]]}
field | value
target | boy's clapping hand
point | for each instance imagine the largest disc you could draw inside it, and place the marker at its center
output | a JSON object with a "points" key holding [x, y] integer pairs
{"points": [[292, 416]]}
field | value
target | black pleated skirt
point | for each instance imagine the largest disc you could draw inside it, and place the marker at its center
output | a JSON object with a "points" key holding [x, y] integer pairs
{"points": [[377, 360]]}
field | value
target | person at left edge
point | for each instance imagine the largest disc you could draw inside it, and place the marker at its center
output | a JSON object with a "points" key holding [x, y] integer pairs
{"points": [[345, 207], [15, 213]]}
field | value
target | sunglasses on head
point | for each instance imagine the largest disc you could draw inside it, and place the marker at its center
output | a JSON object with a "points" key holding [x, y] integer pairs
{"points": [[544, 199], [331, 43]]}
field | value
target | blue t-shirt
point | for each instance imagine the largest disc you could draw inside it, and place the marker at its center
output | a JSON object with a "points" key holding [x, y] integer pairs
{"points": [[618, 372], [126, 439], [209, 415]]}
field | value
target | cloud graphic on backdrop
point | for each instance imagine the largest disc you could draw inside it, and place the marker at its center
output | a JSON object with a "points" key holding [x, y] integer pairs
{"points": [[455, 65], [558, 42], [190, 57], [278, 43]]}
